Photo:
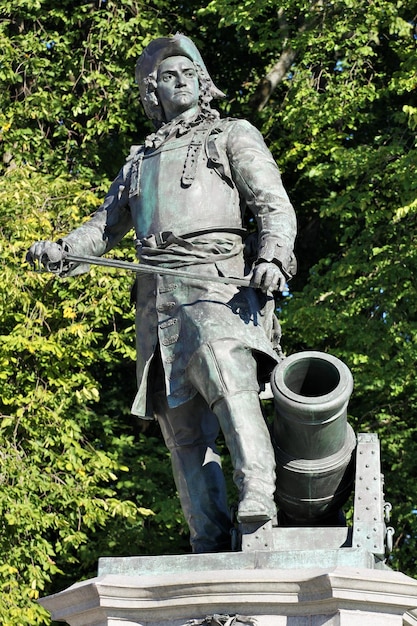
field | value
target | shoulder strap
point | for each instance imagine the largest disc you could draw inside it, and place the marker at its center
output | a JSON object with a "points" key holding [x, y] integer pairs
{"points": [[135, 172], [220, 166], [194, 149]]}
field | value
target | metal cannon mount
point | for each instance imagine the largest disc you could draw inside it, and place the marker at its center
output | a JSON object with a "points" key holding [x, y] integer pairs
{"points": [[320, 462]]}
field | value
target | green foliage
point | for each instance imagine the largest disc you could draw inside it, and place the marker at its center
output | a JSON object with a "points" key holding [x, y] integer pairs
{"points": [[342, 124], [69, 71], [71, 462], [359, 304]]}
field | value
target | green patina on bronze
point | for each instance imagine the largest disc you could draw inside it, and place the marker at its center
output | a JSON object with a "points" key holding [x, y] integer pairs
{"points": [[203, 347]]}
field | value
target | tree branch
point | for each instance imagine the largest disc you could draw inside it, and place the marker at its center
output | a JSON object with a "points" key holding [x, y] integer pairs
{"points": [[268, 84], [281, 68]]}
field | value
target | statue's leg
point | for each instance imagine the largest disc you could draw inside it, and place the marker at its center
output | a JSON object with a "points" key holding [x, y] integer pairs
{"points": [[224, 372], [253, 459], [190, 432]]}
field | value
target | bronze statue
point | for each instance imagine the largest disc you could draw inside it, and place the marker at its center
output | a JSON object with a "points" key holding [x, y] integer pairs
{"points": [[203, 349]]}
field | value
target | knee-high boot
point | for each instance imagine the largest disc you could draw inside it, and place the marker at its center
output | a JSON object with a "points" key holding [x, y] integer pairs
{"points": [[190, 432], [225, 374], [247, 438]]}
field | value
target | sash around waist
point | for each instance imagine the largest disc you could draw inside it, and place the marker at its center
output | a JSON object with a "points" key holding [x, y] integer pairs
{"points": [[173, 250]]}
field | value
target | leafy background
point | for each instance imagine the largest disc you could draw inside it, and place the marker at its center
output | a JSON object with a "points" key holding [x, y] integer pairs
{"points": [[333, 88]]}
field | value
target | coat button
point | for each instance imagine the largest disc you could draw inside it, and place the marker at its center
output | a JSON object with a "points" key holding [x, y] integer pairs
{"points": [[168, 288], [165, 306], [171, 322], [168, 341]]}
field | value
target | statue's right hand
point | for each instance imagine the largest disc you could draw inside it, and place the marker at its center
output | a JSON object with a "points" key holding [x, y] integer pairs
{"points": [[47, 253]]}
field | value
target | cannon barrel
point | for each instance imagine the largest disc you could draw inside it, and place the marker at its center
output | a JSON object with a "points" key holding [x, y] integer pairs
{"points": [[313, 442]]}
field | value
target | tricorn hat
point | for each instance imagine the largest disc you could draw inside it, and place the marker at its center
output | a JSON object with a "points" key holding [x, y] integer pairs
{"points": [[160, 49]]}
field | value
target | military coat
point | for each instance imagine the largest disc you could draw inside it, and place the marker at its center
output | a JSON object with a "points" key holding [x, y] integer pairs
{"points": [[185, 193]]}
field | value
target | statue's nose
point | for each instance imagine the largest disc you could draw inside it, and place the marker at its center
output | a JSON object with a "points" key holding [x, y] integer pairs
{"points": [[181, 79]]}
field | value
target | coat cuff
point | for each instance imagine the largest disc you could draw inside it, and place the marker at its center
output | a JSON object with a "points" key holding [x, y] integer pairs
{"points": [[272, 250], [69, 268]]}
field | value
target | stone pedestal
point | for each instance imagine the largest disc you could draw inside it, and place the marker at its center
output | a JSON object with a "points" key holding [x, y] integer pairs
{"points": [[273, 588]]}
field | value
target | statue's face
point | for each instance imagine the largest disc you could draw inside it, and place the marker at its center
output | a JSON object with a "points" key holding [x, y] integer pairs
{"points": [[177, 86]]}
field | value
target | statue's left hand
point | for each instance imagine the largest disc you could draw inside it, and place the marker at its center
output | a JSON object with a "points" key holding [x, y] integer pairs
{"points": [[268, 277]]}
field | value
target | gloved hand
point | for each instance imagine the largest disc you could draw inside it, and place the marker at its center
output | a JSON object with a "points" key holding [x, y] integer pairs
{"points": [[268, 277], [48, 253]]}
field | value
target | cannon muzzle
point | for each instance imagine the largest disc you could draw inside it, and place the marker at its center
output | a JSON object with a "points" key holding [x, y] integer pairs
{"points": [[313, 442]]}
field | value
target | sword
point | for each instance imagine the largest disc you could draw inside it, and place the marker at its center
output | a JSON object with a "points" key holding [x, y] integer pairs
{"points": [[143, 268]]}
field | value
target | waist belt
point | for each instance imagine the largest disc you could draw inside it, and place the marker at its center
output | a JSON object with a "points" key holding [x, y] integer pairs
{"points": [[167, 237]]}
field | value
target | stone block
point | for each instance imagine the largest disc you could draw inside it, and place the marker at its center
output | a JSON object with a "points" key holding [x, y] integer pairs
{"points": [[173, 591]]}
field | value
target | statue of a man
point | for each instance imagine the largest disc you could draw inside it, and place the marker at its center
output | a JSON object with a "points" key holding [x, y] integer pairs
{"points": [[203, 349]]}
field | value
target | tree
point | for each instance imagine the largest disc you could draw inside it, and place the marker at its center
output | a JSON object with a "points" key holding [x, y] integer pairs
{"points": [[70, 460], [79, 477], [342, 120], [67, 67]]}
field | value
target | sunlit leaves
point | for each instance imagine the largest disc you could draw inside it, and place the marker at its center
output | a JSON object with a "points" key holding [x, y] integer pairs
{"points": [[64, 450], [342, 125], [69, 72]]}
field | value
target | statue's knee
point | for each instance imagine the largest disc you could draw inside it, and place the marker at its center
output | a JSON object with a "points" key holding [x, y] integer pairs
{"points": [[191, 424], [222, 368]]}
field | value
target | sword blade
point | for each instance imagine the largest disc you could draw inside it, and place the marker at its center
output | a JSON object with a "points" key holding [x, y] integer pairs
{"points": [[143, 268]]}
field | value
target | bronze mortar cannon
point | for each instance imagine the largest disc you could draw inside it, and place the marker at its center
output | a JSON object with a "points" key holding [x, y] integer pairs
{"points": [[314, 444]]}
